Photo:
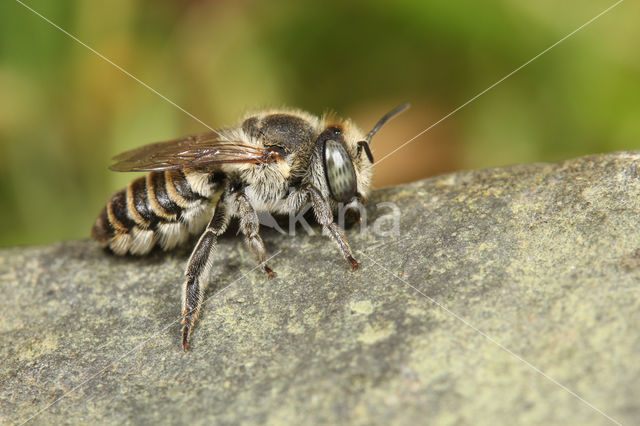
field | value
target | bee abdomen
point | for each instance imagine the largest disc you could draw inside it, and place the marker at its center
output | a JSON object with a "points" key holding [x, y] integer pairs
{"points": [[161, 208]]}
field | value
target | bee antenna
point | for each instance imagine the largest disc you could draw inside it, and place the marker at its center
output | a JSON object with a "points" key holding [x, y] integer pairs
{"points": [[388, 116]]}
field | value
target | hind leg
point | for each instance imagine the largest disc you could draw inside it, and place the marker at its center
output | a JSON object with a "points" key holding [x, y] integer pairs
{"points": [[198, 269]]}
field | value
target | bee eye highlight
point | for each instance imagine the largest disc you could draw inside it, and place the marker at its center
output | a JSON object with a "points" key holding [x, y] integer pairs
{"points": [[339, 171]]}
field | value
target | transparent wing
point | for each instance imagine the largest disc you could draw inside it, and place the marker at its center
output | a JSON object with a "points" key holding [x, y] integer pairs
{"points": [[197, 151]]}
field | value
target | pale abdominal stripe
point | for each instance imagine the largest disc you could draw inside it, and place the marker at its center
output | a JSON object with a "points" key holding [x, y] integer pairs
{"points": [[161, 208]]}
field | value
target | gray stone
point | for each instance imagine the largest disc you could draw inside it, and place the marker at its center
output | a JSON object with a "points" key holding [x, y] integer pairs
{"points": [[508, 296]]}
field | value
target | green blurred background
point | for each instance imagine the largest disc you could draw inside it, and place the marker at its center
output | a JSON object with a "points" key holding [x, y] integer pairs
{"points": [[64, 112]]}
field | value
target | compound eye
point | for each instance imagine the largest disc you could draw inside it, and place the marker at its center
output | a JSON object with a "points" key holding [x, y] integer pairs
{"points": [[341, 176]]}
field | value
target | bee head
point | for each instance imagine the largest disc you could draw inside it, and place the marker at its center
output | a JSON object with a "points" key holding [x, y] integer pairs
{"points": [[346, 170]]}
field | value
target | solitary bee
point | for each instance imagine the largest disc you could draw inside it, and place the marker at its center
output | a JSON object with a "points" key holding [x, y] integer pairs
{"points": [[275, 161]]}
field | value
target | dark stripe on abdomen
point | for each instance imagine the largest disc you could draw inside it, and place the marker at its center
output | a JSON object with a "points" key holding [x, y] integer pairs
{"points": [[138, 189], [118, 204], [158, 181]]}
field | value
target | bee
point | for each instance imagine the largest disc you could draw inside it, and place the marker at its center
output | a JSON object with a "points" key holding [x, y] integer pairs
{"points": [[275, 161]]}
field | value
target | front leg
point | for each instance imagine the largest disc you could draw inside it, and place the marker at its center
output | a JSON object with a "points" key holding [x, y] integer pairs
{"points": [[198, 269], [322, 210]]}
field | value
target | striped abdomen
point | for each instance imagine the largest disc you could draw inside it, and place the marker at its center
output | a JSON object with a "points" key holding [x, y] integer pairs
{"points": [[161, 208]]}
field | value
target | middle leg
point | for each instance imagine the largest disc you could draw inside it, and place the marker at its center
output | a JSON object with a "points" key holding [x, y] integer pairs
{"points": [[250, 225]]}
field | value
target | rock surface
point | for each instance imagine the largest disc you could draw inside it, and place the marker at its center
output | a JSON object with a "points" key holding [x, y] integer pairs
{"points": [[506, 296]]}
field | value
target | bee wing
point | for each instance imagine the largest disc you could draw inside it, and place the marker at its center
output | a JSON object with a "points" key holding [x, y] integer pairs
{"points": [[191, 152]]}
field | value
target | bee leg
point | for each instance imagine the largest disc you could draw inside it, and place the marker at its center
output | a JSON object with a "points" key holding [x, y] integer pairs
{"points": [[249, 225], [352, 217], [198, 269], [322, 210]]}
